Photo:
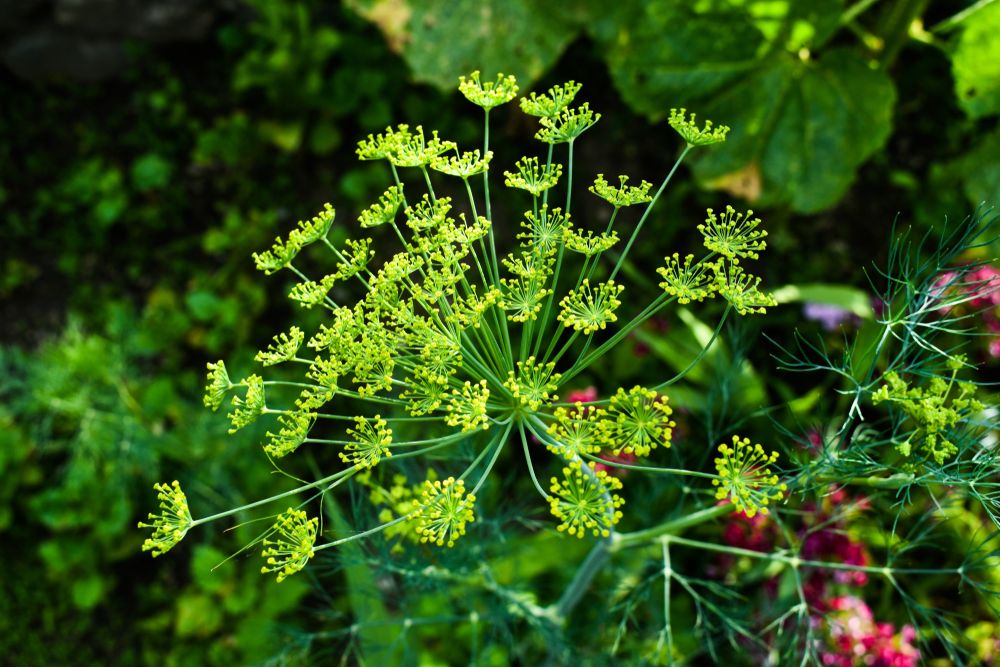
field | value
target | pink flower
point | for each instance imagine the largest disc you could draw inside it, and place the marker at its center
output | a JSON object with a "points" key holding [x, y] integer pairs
{"points": [[852, 637]]}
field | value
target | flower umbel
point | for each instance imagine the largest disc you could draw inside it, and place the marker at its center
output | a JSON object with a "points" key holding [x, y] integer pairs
{"points": [[589, 309], [637, 422], [623, 195], [247, 409], [218, 385], [733, 234], [444, 511], [293, 548], [371, 440], [170, 526], [584, 500], [488, 94], [745, 478], [690, 132]]}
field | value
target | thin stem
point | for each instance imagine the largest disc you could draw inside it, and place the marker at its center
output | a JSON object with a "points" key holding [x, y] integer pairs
{"points": [[527, 458], [320, 482], [651, 469], [649, 207]]}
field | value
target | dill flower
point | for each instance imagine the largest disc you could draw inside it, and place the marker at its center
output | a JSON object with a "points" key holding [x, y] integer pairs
{"points": [[465, 165], [741, 289], [933, 409], [172, 524], [587, 243], [575, 432], [384, 210], [283, 348], [534, 382], [218, 385], [309, 293], [551, 102], [488, 94], [567, 125], [623, 195], [690, 132], [380, 146], [637, 422], [293, 548], [745, 478], [533, 177], [733, 234], [293, 432], [247, 409], [587, 310], [584, 501], [413, 149], [467, 406], [444, 511], [452, 333], [371, 440], [685, 281]]}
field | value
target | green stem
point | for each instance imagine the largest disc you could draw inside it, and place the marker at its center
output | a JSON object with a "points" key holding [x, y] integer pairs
{"points": [[621, 541], [320, 482], [649, 207], [595, 561]]}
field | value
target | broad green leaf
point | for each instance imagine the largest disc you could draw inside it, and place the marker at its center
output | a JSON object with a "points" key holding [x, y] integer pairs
{"points": [[849, 298], [666, 54], [975, 63], [801, 129], [979, 170], [444, 39]]}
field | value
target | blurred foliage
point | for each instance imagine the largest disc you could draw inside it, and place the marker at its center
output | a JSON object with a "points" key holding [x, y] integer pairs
{"points": [[131, 206]]}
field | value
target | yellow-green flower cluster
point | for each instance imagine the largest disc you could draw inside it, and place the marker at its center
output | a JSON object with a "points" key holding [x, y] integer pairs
{"points": [[532, 177], [745, 478], [534, 383], [933, 408], [371, 440], [488, 94], [218, 385], [248, 408], [444, 511], [283, 348], [637, 422], [282, 253], [590, 309], [688, 128], [732, 236], [172, 524], [624, 194], [584, 500], [293, 548]]}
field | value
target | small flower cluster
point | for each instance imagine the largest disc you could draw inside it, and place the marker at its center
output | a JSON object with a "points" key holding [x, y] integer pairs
{"points": [[745, 478], [933, 409], [732, 237]]}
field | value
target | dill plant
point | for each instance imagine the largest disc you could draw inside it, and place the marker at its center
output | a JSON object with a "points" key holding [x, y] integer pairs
{"points": [[472, 346]]}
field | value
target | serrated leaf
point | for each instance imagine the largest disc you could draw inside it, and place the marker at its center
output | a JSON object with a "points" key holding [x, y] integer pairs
{"points": [[444, 39], [979, 170], [975, 63], [806, 126], [663, 54]]}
